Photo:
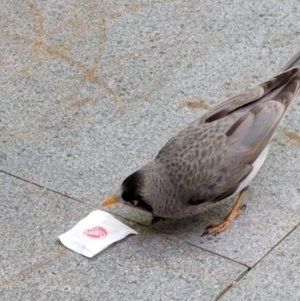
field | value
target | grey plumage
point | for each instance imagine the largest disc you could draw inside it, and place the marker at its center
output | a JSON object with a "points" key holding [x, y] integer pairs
{"points": [[217, 155]]}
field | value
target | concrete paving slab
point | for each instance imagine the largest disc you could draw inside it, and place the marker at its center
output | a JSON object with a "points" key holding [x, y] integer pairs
{"points": [[68, 84], [149, 266], [72, 124], [276, 277], [24, 23], [98, 96], [31, 219]]}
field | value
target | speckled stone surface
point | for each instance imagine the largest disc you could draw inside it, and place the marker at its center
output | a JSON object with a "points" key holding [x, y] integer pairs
{"points": [[31, 220], [91, 90], [276, 277], [149, 266]]}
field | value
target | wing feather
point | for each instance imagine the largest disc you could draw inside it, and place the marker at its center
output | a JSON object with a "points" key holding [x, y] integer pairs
{"points": [[217, 150]]}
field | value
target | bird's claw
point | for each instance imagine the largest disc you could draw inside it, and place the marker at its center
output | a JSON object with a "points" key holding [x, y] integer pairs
{"points": [[243, 207]]}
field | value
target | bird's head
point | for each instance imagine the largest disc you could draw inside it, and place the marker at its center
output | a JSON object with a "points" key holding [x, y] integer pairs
{"points": [[130, 193], [144, 189]]}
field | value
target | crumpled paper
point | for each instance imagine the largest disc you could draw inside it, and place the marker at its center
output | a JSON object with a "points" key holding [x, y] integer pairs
{"points": [[95, 233]]}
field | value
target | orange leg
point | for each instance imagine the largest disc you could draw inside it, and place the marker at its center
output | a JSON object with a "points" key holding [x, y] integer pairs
{"points": [[224, 224]]}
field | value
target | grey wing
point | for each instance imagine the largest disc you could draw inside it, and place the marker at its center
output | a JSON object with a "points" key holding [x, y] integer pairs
{"points": [[247, 98], [260, 93], [246, 138], [239, 134]]}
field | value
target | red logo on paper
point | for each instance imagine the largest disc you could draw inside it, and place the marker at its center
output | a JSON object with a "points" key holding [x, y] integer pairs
{"points": [[96, 232]]}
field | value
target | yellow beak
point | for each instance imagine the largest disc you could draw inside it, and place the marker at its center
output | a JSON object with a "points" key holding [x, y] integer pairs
{"points": [[111, 201]]}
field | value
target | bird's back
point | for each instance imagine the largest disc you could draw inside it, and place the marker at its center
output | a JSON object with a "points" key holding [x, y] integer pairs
{"points": [[209, 159]]}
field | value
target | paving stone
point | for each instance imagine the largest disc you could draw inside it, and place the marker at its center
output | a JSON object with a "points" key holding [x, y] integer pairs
{"points": [[90, 91], [276, 277], [149, 266], [31, 219]]}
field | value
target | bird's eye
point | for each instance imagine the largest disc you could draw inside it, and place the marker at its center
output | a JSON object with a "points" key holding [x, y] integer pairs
{"points": [[135, 203]]}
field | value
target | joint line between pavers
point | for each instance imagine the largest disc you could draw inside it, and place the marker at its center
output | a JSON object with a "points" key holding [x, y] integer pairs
{"points": [[250, 268], [234, 282], [49, 189]]}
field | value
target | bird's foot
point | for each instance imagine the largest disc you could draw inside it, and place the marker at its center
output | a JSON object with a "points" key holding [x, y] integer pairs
{"points": [[219, 227]]}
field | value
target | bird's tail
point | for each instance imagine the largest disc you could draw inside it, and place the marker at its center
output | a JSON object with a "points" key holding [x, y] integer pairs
{"points": [[284, 87], [293, 62], [291, 89]]}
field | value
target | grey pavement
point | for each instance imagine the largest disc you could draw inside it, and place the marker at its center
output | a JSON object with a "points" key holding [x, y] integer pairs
{"points": [[89, 92]]}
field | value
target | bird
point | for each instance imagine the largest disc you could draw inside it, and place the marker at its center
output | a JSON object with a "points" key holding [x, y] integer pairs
{"points": [[214, 158]]}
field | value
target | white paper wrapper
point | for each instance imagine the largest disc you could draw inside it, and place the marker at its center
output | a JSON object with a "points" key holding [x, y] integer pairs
{"points": [[95, 233]]}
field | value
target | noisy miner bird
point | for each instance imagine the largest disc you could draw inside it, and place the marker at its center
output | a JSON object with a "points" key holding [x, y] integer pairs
{"points": [[215, 157]]}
